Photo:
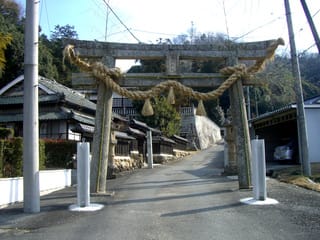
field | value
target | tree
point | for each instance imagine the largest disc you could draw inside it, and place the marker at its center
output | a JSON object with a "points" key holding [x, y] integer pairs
{"points": [[11, 24], [309, 66], [4, 41], [63, 32], [165, 117], [47, 68], [56, 45], [10, 10], [50, 51], [278, 90]]}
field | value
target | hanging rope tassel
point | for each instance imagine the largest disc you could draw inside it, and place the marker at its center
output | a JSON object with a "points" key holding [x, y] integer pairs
{"points": [[201, 111], [171, 98], [147, 109]]}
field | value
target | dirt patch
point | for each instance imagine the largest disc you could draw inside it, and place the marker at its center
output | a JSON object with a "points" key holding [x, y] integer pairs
{"points": [[293, 175]]}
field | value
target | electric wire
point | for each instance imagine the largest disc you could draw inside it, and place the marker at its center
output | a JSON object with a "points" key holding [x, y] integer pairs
{"points": [[157, 33], [225, 18], [125, 26], [257, 28], [316, 13], [45, 6]]}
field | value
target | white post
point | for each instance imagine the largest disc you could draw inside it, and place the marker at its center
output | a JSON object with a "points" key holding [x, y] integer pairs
{"points": [[258, 166], [31, 192], [83, 180], [149, 149], [83, 174], [258, 169]]}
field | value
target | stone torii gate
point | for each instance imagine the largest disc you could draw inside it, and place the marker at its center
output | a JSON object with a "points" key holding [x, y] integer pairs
{"points": [[108, 79]]}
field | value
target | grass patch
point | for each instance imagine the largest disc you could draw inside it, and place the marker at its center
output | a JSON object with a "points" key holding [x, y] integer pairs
{"points": [[293, 175]]}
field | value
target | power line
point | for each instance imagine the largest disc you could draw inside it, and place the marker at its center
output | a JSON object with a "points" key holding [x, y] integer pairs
{"points": [[306, 50], [45, 6], [108, 5], [47, 16], [158, 33], [225, 18], [257, 28], [316, 13], [107, 21]]}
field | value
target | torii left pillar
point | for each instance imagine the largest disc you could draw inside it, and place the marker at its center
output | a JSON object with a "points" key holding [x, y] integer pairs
{"points": [[101, 136]]}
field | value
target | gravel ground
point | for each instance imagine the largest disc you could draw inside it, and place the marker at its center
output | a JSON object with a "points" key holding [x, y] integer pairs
{"points": [[301, 206]]}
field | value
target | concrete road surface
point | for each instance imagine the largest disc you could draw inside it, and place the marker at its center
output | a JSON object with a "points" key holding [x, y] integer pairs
{"points": [[187, 199]]}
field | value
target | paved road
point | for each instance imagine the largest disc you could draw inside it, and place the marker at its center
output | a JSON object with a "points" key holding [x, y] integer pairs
{"points": [[188, 199]]}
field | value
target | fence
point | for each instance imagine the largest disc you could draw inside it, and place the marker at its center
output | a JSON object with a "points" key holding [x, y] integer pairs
{"points": [[50, 180]]}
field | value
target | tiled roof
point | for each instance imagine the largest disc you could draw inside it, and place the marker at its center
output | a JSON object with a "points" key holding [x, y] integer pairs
{"points": [[42, 116], [122, 135], [275, 112], [50, 87], [12, 100], [136, 132], [70, 95], [83, 118], [176, 137], [63, 114], [143, 126], [83, 128], [313, 102]]}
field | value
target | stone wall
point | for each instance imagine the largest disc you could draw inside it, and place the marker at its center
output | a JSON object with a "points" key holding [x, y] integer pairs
{"points": [[126, 163]]}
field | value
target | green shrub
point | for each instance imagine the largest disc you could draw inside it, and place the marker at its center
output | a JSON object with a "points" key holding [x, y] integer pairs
{"points": [[11, 157], [52, 154], [42, 155], [6, 132], [59, 153], [2, 143]]}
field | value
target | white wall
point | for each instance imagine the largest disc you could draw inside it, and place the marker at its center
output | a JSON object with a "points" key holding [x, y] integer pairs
{"points": [[313, 131], [50, 180], [208, 132]]}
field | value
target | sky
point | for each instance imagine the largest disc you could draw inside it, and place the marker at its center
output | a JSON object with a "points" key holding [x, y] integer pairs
{"points": [[149, 20]]}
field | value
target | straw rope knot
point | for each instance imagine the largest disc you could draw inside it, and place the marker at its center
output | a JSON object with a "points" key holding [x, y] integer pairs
{"points": [[110, 77]]}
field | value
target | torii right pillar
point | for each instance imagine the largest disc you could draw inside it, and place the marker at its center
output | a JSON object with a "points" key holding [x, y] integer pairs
{"points": [[241, 130]]}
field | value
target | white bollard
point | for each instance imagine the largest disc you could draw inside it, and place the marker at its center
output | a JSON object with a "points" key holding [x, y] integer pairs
{"points": [[83, 180], [149, 149], [258, 169], [83, 174]]}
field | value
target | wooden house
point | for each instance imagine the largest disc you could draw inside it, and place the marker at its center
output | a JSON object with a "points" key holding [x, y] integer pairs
{"points": [[63, 112]]}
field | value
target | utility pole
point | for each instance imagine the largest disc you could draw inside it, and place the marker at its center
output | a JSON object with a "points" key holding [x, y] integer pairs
{"points": [[302, 129], [31, 190], [310, 21]]}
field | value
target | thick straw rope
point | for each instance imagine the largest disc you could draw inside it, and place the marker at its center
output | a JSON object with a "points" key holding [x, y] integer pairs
{"points": [[110, 75]]}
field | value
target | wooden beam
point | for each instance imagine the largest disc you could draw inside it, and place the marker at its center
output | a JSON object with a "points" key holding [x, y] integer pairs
{"points": [[95, 49], [147, 80], [101, 137], [152, 79], [241, 131]]}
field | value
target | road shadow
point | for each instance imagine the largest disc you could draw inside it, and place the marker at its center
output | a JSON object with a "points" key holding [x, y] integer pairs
{"points": [[171, 184], [201, 210], [167, 198]]}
